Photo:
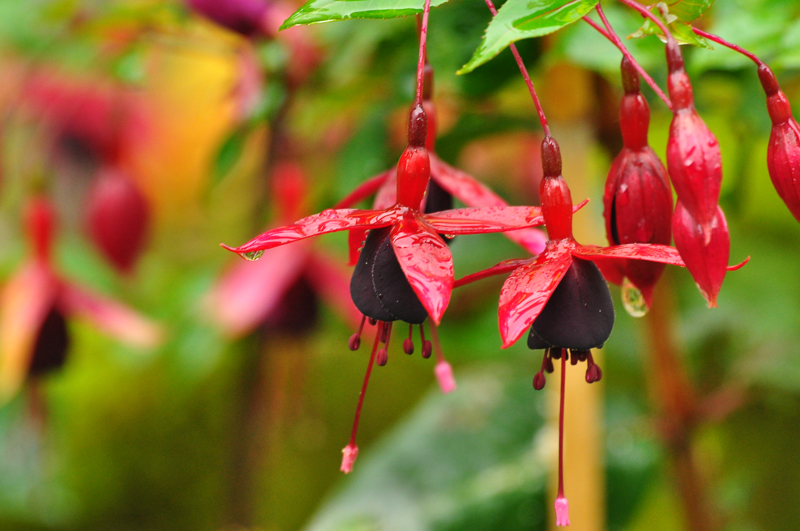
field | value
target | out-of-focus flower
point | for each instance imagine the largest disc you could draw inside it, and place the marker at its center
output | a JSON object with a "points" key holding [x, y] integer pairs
{"points": [[37, 301]]}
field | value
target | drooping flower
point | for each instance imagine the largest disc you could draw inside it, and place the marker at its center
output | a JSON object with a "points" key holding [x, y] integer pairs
{"points": [[560, 297], [281, 291], [37, 301], [414, 278], [637, 204]]}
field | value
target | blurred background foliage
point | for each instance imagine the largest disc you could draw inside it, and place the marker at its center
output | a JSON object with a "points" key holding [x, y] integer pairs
{"points": [[206, 431]]}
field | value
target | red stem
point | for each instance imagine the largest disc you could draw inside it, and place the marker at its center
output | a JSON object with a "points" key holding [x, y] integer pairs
{"points": [[364, 386], [561, 425], [524, 71], [423, 37], [646, 13], [614, 38], [735, 48]]}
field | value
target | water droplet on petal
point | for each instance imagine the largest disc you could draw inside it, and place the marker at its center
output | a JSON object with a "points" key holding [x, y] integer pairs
{"points": [[253, 255], [633, 300]]}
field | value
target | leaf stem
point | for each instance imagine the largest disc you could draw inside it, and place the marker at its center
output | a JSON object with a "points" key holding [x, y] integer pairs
{"points": [[735, 48], [609, 34], [528, 82]]}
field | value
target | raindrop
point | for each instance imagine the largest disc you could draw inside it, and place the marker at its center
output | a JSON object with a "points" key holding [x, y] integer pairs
{"points": [[633, 300], [253, 255]]}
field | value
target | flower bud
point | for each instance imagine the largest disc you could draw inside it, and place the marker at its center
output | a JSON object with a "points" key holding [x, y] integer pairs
{"points": [[783, 153], [705, 250], [118, 218], [693, 157]]}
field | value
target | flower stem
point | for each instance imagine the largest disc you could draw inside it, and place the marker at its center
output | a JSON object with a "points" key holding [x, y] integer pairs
{"points": [[609, 34], [646, 13], [524, 71], [423, 38], [735, 48]]}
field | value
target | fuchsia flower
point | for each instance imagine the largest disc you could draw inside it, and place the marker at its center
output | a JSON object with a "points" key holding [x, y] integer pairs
{"points": [[36, 302], [783, 153], [248, 17], [405, 271], [281, 291], [446, 182], [637, 204]]}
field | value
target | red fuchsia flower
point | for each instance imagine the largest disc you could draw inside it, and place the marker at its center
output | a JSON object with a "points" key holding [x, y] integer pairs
{"points": [[446, 182], [560, 297], [118, 218], [637, 204], [36, 302], [783, 153], [248, 17], [282, 291], [405, 271]]}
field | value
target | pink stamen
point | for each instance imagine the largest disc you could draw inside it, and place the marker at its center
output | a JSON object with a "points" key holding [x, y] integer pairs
{"points": [[562, 506], [427, 348], [443, 370], [385, 333], [351, 450], [408, 344]]}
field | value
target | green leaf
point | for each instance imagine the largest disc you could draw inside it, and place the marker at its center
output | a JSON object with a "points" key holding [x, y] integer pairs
{"points": [[524, 19], [679, 17], [229, 153], [316, 11]]}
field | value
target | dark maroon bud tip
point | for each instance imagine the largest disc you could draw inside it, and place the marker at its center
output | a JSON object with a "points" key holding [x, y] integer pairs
{"points": [[581, 355], [551, 157], [427, 349], [555, 353], [630, 77], [674, 56], [355, 342], [381, 357], [768, 80], [549, 367], [574, 360], [408, 347], [417, 127], [427, 82], [539, 381], [373, 321]]}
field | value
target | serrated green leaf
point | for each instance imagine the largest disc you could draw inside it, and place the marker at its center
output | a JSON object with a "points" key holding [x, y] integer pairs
{"points": [[524, 19], [680, 30], [689, 10], [316, 11]]}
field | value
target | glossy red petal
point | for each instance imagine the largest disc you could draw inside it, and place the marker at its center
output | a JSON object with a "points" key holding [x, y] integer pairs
{"points": [[426, 263], [355, 239], [485, 219], [110, 316], [366, 189], [387, 194], [528, 289], [322, 223], [499, 269], [249, 291], [332, 282], [662, 254], [24, 305]]}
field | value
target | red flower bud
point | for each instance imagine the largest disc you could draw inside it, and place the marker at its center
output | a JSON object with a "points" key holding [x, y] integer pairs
{"points": [[637, 204], [40, 222], [118, 218], [783, 154], [705, 250], [248, 17], [693, 157]]}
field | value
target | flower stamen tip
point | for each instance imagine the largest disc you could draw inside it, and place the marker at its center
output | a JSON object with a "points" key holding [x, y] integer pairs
{"points": [[444, 375], [349, 458], [562, 511]]}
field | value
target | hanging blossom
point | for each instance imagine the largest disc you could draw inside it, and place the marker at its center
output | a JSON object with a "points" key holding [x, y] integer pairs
{"points": [[560, 298], [446, 182], [36, 302], [405, 271], [281, 291]]}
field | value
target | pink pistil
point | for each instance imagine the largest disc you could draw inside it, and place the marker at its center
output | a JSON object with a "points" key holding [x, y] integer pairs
{"points": [[562, 506], [562, 510], [351, 450], [349, 458], [444, 375], [355, 339]]}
